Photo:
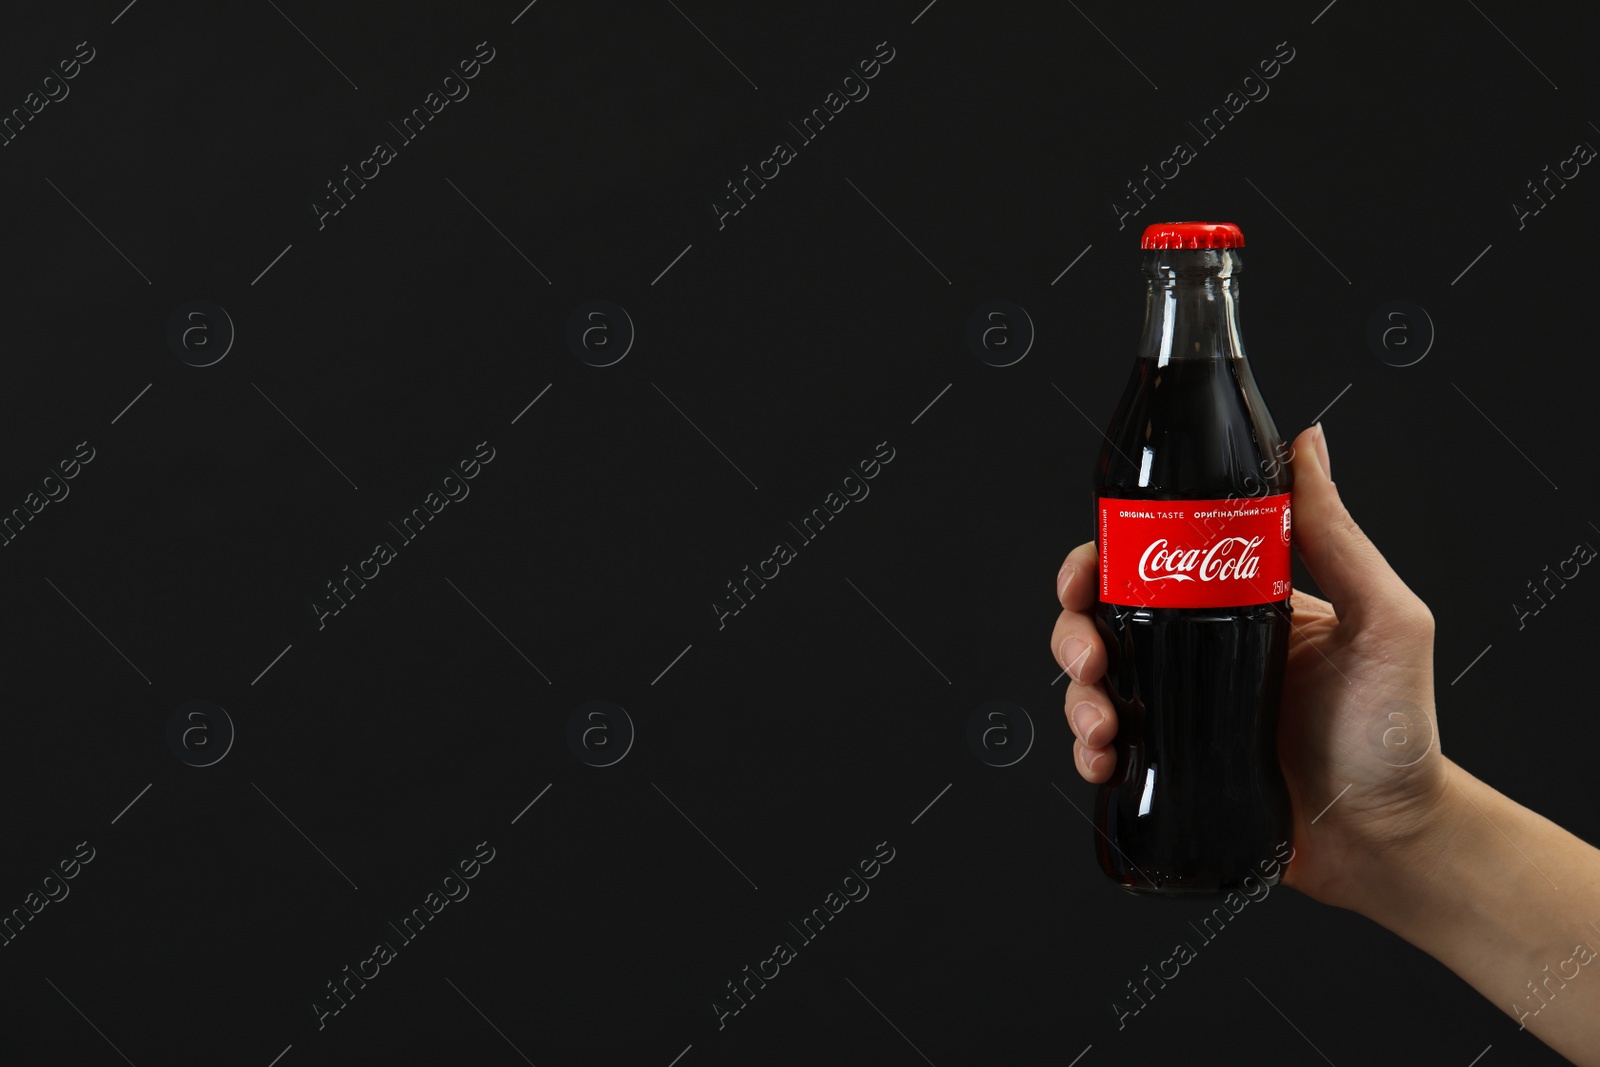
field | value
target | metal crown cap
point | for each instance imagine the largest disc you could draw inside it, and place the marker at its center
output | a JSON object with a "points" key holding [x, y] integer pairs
{"points": [[1192, 235]]}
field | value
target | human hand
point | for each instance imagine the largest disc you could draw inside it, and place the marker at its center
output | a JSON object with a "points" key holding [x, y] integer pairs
{"points": [[1357, 733]]}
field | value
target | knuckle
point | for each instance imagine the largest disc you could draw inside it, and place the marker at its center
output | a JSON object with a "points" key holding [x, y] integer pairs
{"points": [[1403, 617], [1344, 525]]}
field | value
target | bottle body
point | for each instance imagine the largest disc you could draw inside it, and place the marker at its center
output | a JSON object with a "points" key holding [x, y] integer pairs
{"points": [[1193, 524]]}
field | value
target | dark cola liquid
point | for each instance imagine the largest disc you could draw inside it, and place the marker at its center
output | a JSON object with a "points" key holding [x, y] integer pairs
{"points": [[1195, 689]]}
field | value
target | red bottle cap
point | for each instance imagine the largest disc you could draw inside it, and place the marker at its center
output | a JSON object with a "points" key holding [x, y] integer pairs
{"points": [[1192, 235]]}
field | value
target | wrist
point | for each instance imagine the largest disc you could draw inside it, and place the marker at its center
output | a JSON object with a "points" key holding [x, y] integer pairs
{"points": [[1458, 886], [1424, 853], [1501, 896]]}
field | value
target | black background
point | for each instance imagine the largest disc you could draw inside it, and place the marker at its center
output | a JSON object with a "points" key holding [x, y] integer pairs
{"points": [[410, 327]]}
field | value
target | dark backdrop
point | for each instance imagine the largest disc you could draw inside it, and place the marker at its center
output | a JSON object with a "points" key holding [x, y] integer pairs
{"points": [[367, 353]]}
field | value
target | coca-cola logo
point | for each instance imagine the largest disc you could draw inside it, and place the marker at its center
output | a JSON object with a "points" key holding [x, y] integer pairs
{"points": [[1227, 559]]}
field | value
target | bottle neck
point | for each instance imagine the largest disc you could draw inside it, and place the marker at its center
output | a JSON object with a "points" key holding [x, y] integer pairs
{"points": [[1191, 305]]}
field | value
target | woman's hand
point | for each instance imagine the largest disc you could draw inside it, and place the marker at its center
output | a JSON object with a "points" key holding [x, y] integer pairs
{"points": [[1357, 735]]}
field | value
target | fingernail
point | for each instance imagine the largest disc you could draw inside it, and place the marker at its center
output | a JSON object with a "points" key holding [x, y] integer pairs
{"points": [[1064, 579], [1089, 761], [1072, 653], [1085, 717], [1322, 452]]}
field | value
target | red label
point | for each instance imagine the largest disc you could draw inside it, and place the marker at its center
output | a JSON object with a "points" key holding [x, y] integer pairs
{"points": [[1194, 553]]}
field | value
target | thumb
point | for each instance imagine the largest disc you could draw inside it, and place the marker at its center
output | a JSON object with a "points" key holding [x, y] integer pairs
{"points": [[1344, 563]]}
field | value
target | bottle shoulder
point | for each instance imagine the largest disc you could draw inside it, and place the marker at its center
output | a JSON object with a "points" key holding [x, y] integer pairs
{"points": [[1192, 429]]}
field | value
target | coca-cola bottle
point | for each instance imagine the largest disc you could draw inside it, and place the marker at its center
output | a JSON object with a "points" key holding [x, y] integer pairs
{"points": [[1192, 526]]}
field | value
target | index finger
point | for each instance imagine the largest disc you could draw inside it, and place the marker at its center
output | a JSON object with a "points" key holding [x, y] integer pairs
{"points": [[1076, 581]]}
